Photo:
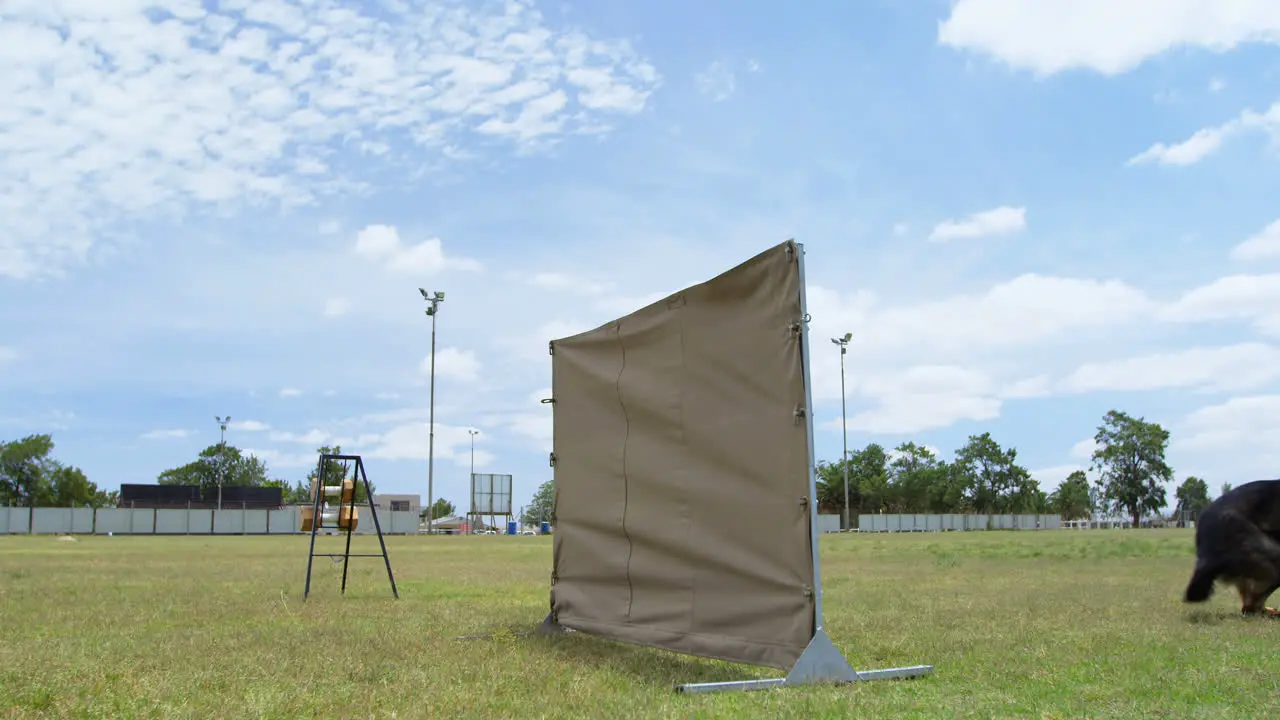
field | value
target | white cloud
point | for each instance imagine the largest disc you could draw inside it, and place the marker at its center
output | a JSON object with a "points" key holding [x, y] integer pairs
{"points": [[329, 227], [564, 282], [336, 307], [1027, 388], [312, 437], [1206, 141], [1188, 152], [971, 330], [1083, 450], [1242, 425], [173, 434], [1237, 367], [1263, 246], [275, 459], [901, 228], [1050, 478], [716, 81], [454, 363], [7, 354], [923, 398], [248, 426], [1024, 311], [126, 110], [1253, 298], [382, 244], [290, 392], [1217, 85], [1003, 220], [410, 441], [1108, 37], [536, 427]]}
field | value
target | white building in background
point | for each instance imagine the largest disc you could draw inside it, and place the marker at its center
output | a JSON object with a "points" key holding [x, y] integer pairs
{"points": [[389, 502]]}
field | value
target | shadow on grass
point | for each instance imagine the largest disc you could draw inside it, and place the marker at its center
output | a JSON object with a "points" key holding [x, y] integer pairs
{"points": [[1210, 617], [661, 669]]}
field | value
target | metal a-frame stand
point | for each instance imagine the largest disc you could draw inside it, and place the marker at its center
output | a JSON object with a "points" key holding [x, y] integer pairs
{"points": [[344, 517], [821, 661]]}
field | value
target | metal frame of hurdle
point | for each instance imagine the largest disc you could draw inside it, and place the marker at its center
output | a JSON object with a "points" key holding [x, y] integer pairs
{"points": [[343, 517]]}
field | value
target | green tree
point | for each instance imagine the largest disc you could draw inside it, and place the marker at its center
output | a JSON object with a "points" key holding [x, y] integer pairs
{"points": [[543, 506], [996, 483], [220, 461], [830, 486], [1226, 488], [441, 509], [1130, 460], [335, 471], [914, 473], [1193, 496], [868, 479], [296, 494], [1072, 500], [30, 476]]}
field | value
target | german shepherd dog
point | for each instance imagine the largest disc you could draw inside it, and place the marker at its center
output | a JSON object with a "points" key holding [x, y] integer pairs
{"points": [[1238, 542]]}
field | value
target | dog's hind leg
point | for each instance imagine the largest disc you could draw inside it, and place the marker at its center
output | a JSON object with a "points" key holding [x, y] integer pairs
{"points": [[1269, 611], [1253, 597]]}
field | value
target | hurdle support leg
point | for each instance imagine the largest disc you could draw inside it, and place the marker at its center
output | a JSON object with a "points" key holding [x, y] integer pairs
{"points": [[821, 662], [549, 626]]}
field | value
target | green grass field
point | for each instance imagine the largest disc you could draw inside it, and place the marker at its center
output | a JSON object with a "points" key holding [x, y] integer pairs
{"points": [[1050, 624]]}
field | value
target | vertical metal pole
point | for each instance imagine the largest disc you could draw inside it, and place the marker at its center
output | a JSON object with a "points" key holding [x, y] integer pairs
{"points": [[431, 437], [315, 522], [844, 431], [813, 470], [377, 526], [222, 460], [346, 554]]}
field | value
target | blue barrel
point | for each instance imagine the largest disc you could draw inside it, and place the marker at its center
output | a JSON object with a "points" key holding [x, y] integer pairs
{"points": [[511, 528], [545, 528]]}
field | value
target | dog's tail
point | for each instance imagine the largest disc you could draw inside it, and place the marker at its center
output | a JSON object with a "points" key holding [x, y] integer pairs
{"points": [[1201, 585]]}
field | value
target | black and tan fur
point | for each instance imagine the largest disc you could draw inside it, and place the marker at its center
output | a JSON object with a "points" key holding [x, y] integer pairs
{"points": [[1238, 543]]}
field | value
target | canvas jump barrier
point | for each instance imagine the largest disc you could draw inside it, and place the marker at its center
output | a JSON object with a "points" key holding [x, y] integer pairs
{"points": [[685, 477]]}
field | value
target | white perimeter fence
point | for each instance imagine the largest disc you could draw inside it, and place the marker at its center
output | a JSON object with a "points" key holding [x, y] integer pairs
{"points": [[181, 521], [939, 523]]}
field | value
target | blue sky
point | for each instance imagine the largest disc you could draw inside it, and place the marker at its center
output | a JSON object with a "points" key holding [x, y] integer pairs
{"points": [[1026, 216]]}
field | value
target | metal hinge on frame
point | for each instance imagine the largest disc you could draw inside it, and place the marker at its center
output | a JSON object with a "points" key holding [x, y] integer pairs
{"points": [[551, 347], [799, 412], [552, 459]]}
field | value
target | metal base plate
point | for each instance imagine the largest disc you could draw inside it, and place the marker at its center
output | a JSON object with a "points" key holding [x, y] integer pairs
{"points": [[821, 662]]}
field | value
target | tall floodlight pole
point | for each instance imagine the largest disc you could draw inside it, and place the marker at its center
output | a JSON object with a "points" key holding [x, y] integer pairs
{"points": [[433, 307], [222, 452], [471, 500], [843, 342]]}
